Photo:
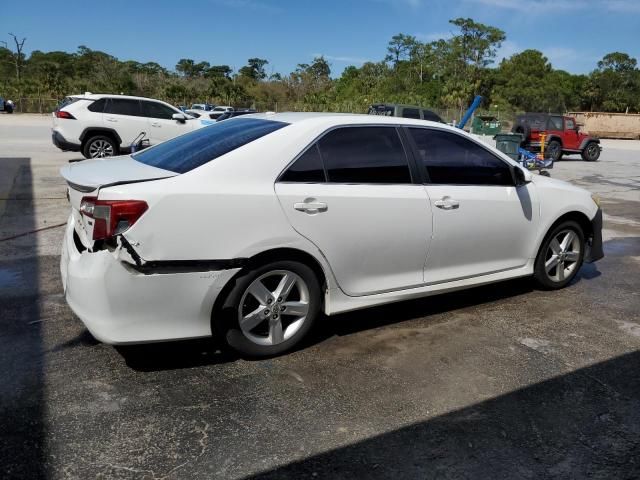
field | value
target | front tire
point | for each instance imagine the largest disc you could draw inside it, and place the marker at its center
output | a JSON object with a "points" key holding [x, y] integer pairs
{"points": [[591, 152], [99, 146], [560, 256], [269, 310]]}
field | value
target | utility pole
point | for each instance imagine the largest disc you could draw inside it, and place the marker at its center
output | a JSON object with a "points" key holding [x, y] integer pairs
{"points": [[18, 61]]}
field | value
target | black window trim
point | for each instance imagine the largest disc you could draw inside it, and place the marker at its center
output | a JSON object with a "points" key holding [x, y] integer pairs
{"points": [[424, 173], [414, 171]]}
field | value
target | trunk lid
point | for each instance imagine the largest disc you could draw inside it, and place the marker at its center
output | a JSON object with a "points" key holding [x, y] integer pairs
{"points": [[86, 178]]}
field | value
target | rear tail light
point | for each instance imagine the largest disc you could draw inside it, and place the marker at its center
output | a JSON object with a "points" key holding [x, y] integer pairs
{"points": [[63, 114], [111, 217]]}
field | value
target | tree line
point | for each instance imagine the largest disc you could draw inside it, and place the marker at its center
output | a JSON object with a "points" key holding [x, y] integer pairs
{"points": [[441, 74]]}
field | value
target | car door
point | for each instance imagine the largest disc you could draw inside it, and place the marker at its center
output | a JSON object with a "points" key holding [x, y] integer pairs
{"points": [[162, 125], [124, 115], [351, 194], [482, 222], [571, 135]]}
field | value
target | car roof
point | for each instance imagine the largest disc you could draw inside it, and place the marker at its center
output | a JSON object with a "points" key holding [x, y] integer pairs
{"points": [[98, 96], [344, 119]]}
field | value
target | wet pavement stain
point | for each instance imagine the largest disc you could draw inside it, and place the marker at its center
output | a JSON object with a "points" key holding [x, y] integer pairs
{"points": [[622, 247]]}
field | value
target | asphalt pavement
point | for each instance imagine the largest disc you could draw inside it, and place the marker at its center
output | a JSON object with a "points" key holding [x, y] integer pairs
{"points": [[502, 381]]}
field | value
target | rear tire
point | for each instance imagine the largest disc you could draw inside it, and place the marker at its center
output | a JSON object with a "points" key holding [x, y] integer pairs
{"points": [[560, 256], [554, 150], [591, 152], [275, 323], [99, 146]]}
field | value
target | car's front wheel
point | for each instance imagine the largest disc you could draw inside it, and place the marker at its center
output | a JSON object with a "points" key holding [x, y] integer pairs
{"points": [[99, 146], [560, 256], [269, 309]]}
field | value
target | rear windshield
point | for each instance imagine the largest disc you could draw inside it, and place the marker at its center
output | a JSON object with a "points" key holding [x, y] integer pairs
{"points": [[189, 151]]}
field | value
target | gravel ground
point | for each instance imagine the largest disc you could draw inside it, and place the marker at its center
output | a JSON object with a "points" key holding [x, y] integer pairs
{"points": [[502, 381]]}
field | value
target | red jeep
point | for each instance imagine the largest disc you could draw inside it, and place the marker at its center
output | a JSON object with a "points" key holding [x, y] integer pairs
{"points": [[563, 136]]}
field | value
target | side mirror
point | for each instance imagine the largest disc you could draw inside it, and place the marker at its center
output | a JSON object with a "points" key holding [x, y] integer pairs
{"points": [[180, 117], [521, 176]]}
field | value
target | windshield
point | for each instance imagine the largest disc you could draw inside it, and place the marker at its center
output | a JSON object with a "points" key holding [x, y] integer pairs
{"points": [[189, 151]]}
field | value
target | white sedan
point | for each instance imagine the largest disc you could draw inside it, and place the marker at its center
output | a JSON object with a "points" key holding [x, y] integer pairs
{"points": [[250, 229]]}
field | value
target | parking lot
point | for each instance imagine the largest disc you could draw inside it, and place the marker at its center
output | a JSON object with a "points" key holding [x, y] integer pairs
{"points": [[502, 381]]}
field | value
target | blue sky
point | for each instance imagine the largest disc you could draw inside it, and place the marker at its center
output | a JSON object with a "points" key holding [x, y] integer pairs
{"points": [[573, 34]]}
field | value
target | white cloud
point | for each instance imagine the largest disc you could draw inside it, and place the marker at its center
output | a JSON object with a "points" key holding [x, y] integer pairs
{"points": [[507, 49], [432, 37]]}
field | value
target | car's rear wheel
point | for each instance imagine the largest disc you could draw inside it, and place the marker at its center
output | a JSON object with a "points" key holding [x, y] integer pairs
{"points": [[100, 146], [560, 256], [591, 152], [554, 150], [270, 309]]}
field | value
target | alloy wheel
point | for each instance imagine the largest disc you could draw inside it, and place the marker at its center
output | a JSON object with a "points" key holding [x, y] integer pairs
{"points": [[562, 255], [100, 149], [273, 307]]}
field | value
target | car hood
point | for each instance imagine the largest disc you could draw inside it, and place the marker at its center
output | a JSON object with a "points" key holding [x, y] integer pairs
{"points": [[89, 175], [543, 181]]}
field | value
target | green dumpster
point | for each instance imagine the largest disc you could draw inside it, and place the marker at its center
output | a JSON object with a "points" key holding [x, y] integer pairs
{"points": [[485, 125], [509, 143]]}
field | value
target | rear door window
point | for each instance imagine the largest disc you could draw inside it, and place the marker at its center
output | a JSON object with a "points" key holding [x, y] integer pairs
{"points": [[307, 168], [97, 106], [451, 159], [555, 123], [411, 113], [186, 152], [570, 124], [123, 106], [364, 155]]}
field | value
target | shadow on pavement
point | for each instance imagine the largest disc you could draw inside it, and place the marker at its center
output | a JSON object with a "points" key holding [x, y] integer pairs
{"points": [[22, 425], [582, 424]]}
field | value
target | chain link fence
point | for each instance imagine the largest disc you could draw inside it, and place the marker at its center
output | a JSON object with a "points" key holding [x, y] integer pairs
{"points": [[35, 104], [449, 115]]}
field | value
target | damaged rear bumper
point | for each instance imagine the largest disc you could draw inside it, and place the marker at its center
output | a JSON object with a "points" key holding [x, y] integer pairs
{"points": [[119, 304]]}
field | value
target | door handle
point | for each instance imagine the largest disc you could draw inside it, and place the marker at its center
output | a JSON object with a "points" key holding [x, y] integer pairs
{"points": [[156, 124], [447, 203], [110, 119], [311, 207]]}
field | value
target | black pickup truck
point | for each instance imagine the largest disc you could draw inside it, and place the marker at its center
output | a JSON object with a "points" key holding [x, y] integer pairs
{"points": [[405, 111]]}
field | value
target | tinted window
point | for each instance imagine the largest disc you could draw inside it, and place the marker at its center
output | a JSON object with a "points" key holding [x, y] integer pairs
{"points": [[570, 124], [452, 159], [123, 106], [191, 150], [411, 113], [364, 155], [157, 110], [555, 123], [306, 169], [429, 115], [97, 106]]}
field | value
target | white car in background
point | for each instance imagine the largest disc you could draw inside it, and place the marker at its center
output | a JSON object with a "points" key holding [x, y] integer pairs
{"points": [[101, 125], [249, 229]]}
